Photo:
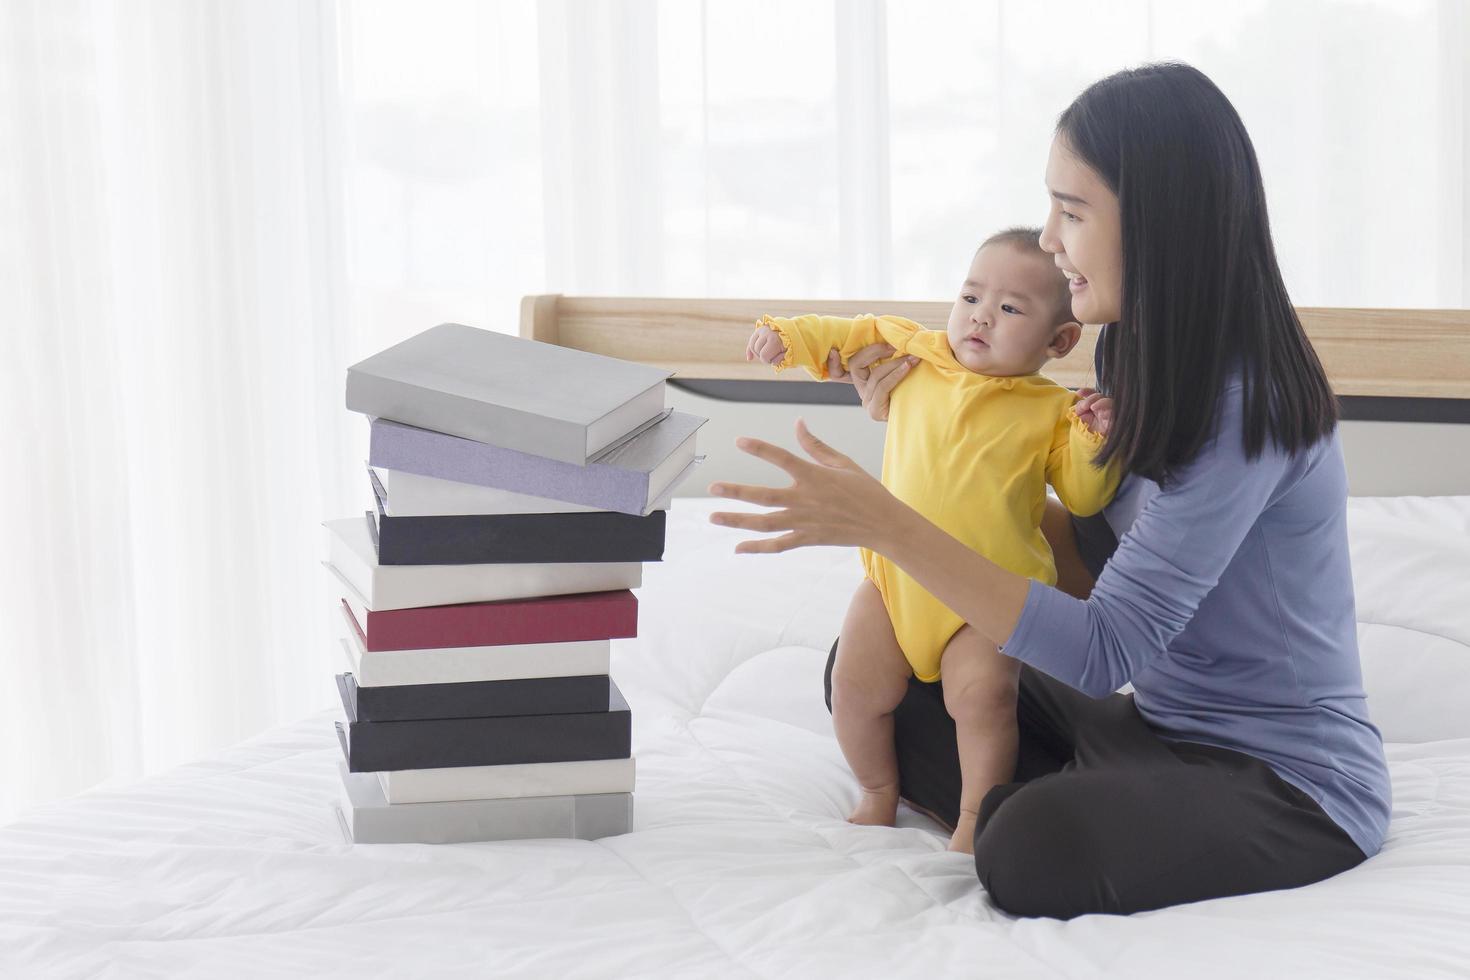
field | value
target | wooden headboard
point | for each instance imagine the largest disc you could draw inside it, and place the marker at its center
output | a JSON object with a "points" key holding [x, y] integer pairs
{"points": [[1403, 377], [1417, 358]]}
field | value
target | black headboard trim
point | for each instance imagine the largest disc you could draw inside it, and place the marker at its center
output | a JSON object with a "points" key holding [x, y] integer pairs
{"points": [[1357, 408]]}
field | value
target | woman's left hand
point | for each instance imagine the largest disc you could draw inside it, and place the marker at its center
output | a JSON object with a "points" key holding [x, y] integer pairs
{"points": [[831, 501]]}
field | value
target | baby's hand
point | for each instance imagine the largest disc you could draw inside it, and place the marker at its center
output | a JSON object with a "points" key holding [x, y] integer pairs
{"points": [[1095, 411], [765, 345]]}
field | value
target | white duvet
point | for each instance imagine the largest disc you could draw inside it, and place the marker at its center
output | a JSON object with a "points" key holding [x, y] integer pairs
{"points": [[741, 863]]}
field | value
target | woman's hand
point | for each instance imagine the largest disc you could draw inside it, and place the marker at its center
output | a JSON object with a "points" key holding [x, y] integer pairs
{"points": [[832, 501], [873, 384]]}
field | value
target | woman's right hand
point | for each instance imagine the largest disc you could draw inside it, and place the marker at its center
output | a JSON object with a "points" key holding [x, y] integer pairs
{"points": [[873, 384]]}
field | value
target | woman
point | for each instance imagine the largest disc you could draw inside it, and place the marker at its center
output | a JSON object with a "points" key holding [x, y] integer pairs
{"points": [[1244, 760]]}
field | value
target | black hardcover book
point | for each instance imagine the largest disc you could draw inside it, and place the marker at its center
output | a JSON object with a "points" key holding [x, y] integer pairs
{"points": [[508, 539], [475, 699], [374, 746]]}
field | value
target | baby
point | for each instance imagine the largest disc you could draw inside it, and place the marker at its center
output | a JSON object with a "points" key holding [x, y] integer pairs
{"points": [[974, 436]]}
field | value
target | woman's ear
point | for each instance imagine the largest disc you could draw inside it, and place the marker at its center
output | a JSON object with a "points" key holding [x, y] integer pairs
{"points": [[1064, 339]]}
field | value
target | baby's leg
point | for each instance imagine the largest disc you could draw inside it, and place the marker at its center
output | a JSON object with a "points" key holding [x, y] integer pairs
{"points": [[869, 679], [980, 695]]}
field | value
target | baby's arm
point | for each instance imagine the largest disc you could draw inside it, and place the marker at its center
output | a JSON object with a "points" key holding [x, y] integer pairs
{"points": [[805, 341], [1083, 488]]}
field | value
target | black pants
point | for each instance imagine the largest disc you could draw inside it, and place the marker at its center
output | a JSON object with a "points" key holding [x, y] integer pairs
{"points": [[1106, 816]]}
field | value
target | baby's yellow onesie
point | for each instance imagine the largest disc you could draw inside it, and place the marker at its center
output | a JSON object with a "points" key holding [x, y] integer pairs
{"points": [[971, 452]]}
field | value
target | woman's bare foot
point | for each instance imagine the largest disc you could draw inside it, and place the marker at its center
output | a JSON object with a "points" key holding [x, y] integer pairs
{"points": [[876, 808], [964, 834]]}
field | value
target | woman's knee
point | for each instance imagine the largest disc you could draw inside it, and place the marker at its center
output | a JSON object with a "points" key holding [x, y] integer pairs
{"points": [[1035, 853]]}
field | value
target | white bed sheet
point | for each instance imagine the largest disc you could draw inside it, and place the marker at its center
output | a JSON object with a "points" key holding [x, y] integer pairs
{"points": [[741, 863]]}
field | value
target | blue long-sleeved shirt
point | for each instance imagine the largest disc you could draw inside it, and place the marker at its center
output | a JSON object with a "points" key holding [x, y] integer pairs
{"points": [[1229, 606]]}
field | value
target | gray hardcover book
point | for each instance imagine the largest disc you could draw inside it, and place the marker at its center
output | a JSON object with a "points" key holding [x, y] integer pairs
{"points": [[629, 478], [442, 743], [537, 398], [367, 818]]}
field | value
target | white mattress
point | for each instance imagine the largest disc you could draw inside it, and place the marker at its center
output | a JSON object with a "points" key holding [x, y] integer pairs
{"points": [[742, 863]]}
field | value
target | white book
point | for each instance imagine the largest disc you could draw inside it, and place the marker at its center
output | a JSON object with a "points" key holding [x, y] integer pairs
{"points": [[410, 586], [508, 782], [457, 665], [367, 818], [412, 495], [352, 597]]}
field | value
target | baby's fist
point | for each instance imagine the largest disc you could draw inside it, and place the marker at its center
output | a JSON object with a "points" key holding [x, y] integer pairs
{"points": [[765, 345], [1095, 411]]}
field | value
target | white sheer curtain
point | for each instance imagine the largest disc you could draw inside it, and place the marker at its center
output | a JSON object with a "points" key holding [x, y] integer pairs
{"points": [[173, 298], [209, 208]]}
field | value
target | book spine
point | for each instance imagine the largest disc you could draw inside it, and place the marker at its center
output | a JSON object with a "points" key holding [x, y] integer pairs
{"points": [[415, 495], [588, 616], [414, 586], [466, 665], [508, 782], [427, 453], [367, 819], [373, 746], [481, 699], [520, 538]]}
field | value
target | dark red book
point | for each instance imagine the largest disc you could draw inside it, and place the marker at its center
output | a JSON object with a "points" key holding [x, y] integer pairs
{"points": [[551, 619]]}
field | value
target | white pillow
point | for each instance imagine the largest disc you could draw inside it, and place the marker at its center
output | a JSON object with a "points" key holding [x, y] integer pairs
{"points": [[1411, 576]]}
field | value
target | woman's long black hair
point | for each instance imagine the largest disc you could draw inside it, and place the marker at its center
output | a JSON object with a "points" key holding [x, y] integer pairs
{"points": [[1202, 292]]}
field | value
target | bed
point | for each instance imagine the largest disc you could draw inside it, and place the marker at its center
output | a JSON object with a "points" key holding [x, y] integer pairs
{"points": [[741, 862]]}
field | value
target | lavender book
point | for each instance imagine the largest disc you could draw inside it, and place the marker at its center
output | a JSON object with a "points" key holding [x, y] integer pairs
{"points": [[633, 477]]}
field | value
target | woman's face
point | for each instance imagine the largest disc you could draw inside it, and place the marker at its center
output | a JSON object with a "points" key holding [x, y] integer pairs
{"points": [[1084, 231]]}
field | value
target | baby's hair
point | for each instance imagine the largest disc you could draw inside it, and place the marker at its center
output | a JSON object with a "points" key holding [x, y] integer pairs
{"points": [[1028, 239], [1023, 236]]}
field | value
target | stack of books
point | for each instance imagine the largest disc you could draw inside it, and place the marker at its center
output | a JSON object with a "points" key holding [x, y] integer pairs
{"points": [[518, 489]]}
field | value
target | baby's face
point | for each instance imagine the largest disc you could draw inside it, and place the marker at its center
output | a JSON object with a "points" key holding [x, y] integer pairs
{"points": [[1006, 313]]}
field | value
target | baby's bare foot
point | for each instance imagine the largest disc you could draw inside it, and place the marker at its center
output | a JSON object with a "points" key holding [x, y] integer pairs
{"points": [[964, 834], [876, 808]]}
